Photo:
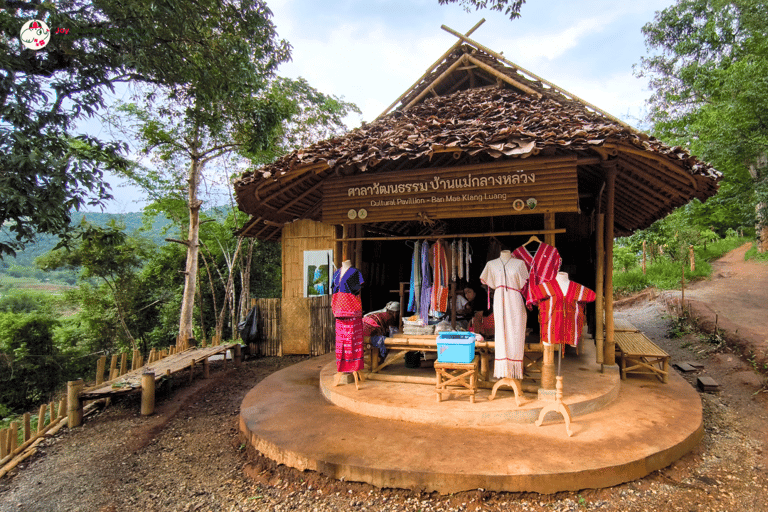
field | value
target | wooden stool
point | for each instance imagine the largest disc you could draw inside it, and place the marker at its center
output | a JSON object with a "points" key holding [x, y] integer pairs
{"points": [[462, 375]]}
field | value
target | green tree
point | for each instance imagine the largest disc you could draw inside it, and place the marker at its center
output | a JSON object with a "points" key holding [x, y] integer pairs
{"points": [[510, 8], [195, 49], [708, 68]]}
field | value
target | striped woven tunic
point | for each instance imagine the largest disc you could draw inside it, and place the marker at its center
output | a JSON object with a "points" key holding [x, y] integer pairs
{"points": [[542, 266], [561, 315]]}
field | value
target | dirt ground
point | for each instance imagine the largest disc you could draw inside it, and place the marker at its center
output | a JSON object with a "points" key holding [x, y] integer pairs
{"points": [[188, 457]]}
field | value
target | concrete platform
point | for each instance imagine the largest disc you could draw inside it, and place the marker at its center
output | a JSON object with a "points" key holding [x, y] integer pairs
{"points": [[586, 389], [646, 427]]}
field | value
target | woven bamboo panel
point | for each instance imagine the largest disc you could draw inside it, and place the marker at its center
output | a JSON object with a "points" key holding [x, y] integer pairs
{"points": [[637, 344], [322, 330], [270, 340], [300, 236]]}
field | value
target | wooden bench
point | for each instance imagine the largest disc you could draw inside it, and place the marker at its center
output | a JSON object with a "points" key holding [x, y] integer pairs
{"points": [[640, 355]]}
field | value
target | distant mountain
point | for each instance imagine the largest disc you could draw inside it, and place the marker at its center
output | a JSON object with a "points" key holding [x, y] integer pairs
{"points": [[131, 221]]}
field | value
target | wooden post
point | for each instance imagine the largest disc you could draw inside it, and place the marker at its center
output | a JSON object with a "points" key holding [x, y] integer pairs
{"points": [[62, 406], [643, 257], [113, 367], [238, 358], [100, 365], [359, 247], [27, 426], [338, 247], [123, 363], [3, 443], [52, 412], [682, 286], [599, 296], [548, 380], [75, 406], [206, 369], [692, 257], [225, 359], [41, 418], [13, 436], [346, 251], [147, 393], [609, 355], [191, 370]]}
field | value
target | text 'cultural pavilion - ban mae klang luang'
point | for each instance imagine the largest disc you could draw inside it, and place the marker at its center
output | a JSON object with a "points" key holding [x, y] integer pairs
{"points": [[453, 261]]}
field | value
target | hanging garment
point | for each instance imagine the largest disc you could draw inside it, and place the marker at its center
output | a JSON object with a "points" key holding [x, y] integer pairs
{"points": [[467, 259], [454, 261], [440, 284], [426, 284], [348, 310], [461, 259], [561, 315], [507, 279], [414, 294], [542, 267]]}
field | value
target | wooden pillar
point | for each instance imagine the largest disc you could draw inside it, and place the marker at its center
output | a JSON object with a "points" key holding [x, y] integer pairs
{"points": [[548, 380], [346, 250], [644, 257], [27, 426], [52, 411], [13, 436], [238, 356], [599, 278], [609, 354], [358, 261], [74, 405], [123, 363], [41, 418], [3, 443], [100, 365], [147, 393], [206, 369], [338, 246], [113, 367]]}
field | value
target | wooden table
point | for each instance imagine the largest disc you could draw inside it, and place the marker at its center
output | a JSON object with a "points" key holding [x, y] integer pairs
{"points": [[461, 376]]}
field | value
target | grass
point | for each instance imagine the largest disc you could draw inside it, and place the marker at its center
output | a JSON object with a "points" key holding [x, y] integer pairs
{"points": [[666, 274]]}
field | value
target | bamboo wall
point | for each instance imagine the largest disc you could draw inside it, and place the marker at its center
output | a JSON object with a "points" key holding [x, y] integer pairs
{"points": [[270, 339], [322, 332], [299, 236]]}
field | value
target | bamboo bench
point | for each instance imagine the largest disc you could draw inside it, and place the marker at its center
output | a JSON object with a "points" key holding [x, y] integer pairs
{"points": [[639, 355]]}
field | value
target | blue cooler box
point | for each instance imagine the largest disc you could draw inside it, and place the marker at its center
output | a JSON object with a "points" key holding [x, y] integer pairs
{"points": [[455, 347]]}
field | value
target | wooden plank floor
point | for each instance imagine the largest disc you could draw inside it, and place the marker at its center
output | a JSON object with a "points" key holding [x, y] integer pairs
{"points": [[130, 382]]}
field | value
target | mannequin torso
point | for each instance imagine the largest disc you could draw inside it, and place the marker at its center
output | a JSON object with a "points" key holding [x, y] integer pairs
{"points": [[563, 281]]}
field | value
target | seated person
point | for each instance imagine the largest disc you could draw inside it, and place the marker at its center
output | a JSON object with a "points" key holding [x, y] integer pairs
{"points": [[465, 307], [378, 322]]}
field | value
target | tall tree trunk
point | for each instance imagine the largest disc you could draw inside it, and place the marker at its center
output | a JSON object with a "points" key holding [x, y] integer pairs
{"points": [[761, 223], [228, 289], [193, 242]]}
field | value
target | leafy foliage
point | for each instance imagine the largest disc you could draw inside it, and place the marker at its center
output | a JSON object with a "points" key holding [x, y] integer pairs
{"points": [[510, 8], [197, 50], [708, 67]]}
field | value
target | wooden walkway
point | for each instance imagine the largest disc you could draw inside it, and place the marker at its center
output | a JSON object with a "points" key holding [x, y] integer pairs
{"points": [[130, 382]]}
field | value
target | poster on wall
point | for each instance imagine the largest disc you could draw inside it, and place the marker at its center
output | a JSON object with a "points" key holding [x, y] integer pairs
{"points": [[318, 270]]}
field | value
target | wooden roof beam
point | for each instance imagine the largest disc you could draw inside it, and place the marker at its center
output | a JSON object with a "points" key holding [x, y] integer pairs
{"points": [[533, 75], [429, 70], [445, 74], [645, 155], [501, 76]]}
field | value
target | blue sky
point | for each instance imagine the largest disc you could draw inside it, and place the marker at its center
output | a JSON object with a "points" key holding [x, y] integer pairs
{"points": [[371, 51]]}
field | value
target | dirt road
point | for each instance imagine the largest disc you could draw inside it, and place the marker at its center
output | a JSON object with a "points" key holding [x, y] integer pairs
{"points": [[187, 457]]}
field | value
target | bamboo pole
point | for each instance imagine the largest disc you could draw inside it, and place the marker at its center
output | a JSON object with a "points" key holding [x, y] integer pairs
{"points": [[432, 67], [147, 393], [459, 62], [643, 257], [123, 363], [13, 436], [112, 366], [599, 292], [62, 407], [75, 406], [359, 234], [3, 443], [465, 235], [52, 411], [692, 257], [41, 418], [100, 365], [609, 357], [501, 76]]}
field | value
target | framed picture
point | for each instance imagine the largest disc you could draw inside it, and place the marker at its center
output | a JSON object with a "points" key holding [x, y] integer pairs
{"points": [[318, 271]]}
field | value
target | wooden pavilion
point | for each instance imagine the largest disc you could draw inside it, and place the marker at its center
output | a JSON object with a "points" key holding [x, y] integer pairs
{"points": [[480, 148]]}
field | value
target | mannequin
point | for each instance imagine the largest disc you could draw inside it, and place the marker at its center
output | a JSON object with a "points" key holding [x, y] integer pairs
{"points": [[348, 310], [563, 281]]}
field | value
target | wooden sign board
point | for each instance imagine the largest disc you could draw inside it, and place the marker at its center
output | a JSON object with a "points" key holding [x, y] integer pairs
{"points": [[496, 189]]}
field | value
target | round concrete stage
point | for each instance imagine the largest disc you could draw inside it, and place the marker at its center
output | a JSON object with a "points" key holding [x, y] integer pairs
{"points": [[397, 435]]}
